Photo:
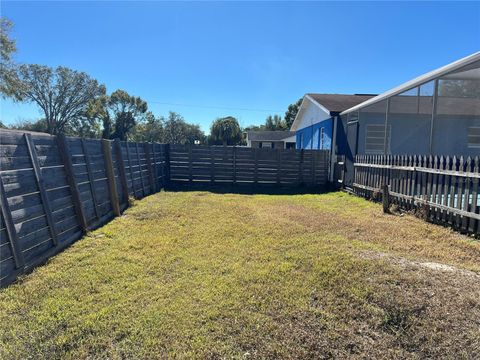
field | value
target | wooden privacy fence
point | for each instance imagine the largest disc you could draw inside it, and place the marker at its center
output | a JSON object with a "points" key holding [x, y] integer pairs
{"points": [[248, 166], [54, 189], [447, 188]]}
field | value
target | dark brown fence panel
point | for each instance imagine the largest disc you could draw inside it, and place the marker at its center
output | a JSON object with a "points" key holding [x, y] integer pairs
{"points": [[248, 166], [54, 189], [446, 188], [36, 194]]}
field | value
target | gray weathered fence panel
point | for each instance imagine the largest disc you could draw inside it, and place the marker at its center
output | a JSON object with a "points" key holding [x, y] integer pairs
{"points": [[250, 166], [447, 188], [54, 189]]}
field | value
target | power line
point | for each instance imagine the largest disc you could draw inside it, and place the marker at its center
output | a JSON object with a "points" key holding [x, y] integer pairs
{"points": [[213, 107]]}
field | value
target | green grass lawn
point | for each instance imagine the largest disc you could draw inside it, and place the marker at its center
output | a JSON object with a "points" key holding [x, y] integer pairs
{"points": [[203, 275]]}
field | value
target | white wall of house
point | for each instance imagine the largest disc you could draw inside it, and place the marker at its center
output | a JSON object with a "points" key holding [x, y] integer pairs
{"points": [[310, 113], [290, 139]]}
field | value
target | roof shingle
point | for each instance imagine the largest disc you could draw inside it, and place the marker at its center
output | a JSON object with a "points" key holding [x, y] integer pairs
{"points": [[269, 135], [339, 102]]}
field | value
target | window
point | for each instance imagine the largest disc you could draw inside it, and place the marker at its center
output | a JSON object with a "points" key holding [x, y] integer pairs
{"points": [[375, 138], [300, 141], [321, 139], [474, 137], [266, 144]]}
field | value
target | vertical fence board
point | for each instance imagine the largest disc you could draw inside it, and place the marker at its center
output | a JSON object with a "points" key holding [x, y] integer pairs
{"points": [[112, 186], [144, 193], [121, 169], [474, 225], [11, 231], [41, 188], [67, 162], [127, 144], [148, 155]]}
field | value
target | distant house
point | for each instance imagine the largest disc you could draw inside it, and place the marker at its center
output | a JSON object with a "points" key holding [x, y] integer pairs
{"points": [[271, 139], [314, 121]]}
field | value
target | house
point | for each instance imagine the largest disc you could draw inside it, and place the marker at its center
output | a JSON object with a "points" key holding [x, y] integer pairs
{"points": [[437, 113], [314, 121], [271, 139]]}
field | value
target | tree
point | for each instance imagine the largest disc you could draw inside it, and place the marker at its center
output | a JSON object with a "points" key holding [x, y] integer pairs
{"points": [[62, 94], [27, 125], [126, 110], [291, 113], [193, 133], [7, 49], [177, 131], [119, 113], [85, 127], [151, 129], [275, 122], [225, 131]]}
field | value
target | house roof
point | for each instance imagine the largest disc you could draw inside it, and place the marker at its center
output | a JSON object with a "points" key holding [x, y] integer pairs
{"points": [[329, 103], [269, 135], [444, 70], [339, 102]]}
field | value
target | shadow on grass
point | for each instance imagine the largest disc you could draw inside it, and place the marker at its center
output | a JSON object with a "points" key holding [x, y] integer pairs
{"points": [[249, 189]]}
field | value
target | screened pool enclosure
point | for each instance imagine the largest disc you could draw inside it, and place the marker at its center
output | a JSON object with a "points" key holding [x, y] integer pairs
{"points": [[437, 113]]}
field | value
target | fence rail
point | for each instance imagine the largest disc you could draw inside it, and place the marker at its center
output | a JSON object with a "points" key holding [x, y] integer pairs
{"points": [[55, 188], [446, 187]]}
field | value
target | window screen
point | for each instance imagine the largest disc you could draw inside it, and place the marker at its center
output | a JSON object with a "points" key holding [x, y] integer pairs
{"points": [[375, 138], [474, 137]]}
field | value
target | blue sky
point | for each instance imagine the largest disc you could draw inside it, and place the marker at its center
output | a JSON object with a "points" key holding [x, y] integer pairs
{"points": [[251, 59]]}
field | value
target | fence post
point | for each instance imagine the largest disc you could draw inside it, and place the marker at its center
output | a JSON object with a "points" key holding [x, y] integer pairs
{"points": [[130, 168], [107, 153], [234, 164], [148, 154], [72, 182], [41, 188], [279, 164], [190, 164], [300, 165], [167, 165], [121, 169], [155, 171], [475, 193], [212, 165], [255, 175], [11, 231], [385, 199], [162, 166], [140, 169], [314, 159]]}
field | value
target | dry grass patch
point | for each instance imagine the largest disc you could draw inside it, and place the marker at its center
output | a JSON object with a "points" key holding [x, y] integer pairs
{"points": [[201, 275]]}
